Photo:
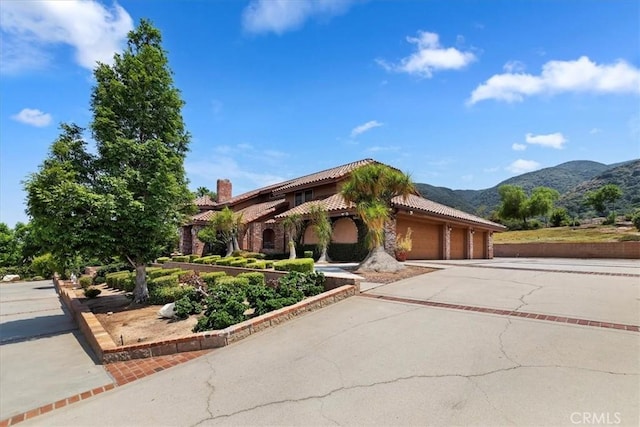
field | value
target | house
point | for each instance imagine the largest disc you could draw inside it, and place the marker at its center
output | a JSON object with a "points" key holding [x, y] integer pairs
{"points": [[439, 232]]}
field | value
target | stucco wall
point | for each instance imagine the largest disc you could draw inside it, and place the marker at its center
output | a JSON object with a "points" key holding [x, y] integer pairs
{"points": [[627, 250]]}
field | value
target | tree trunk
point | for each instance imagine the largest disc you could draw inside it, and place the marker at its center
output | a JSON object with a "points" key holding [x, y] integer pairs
{"points": [[324, 258], [141, 291], [236, 246], [292, 249], [229, 248], [379, 260]]}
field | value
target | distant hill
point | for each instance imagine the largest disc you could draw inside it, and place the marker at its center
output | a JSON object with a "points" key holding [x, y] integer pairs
{"points": [[624, 175], [572, 180]]}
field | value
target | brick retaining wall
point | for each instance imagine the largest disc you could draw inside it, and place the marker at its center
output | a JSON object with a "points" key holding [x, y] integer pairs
{"points": [[626, 250]]}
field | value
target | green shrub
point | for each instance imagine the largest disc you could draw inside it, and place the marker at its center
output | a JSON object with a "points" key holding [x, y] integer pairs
{"points": [[611, 219], [636, 220], [254, 278], [258, 265], [163, 259], [92, 292], [185, 306], [304, 265], [99, 280], [113, 279], [240, 282], [85, 281], [308, 283], [308, 254], [268, 264], [559, 217], [44, 265], [162, 272], [210, 278], [126, 283], [193, 257], [169, 280], [160, 295], [225, 261], [37, 278], [180, 258], [238, 262]]}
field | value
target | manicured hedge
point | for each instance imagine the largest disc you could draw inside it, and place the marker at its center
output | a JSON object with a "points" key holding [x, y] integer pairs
{"points": [[225, 261], [304, 265], [193, 257], [258, 265], [163, 259], [161, 295], [181, 258], [239, 262], [169, 280], [162, 272], [85, 281], [210, 278], [232, 281], [255, 278]]}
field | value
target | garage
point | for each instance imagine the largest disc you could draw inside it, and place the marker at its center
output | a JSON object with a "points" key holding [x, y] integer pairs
{"points": [[427, 238], [458, 243], [479, 244]]}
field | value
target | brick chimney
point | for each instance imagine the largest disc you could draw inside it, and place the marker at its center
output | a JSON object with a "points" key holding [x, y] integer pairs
{"points": [[223, 190]]}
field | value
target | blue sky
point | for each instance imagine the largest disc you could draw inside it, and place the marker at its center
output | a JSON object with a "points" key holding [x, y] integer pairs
{"points": [[462, 94]]}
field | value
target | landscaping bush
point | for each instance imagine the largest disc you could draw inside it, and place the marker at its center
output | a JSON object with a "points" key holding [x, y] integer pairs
{"points": [[193, 257], [99, 280], [268, 264], [240, 282], [224, 261], [210, 278], [308, 283], [304, 265], [163, 259], [37, 278], [636, 220], [160, 295], [181, 258], [611, 219], [169, 280], [113, 279], [44, 265], [92, 292], [162, 272], [254, 278], [225, 307], [308, 254], [239, 262], [258, 265], [185, 307], [85, 282], [559, 217]]}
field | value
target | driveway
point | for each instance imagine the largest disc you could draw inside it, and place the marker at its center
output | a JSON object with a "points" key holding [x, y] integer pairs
{"points": [[374, 361], [43, 357]]}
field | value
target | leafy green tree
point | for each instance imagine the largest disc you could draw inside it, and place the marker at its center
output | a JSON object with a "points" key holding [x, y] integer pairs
{"points": [[129, 198], [223, 227], [371, 189], [515, 204], [204, 191], [605, 195], [293, 226], [9, 250], [542, 201], [559, 217], [322, 227]]}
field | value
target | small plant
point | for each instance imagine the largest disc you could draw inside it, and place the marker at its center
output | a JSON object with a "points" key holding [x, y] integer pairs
{"points": [[92, 292], [636, 220], [163, 259], [85, 282], [404, 245], [308, 254], [185, 307], [304, 265]]}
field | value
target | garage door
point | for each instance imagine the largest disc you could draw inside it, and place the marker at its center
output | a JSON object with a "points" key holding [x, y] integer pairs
{"points": [[458, 238], [427, 238], [479, 244]]}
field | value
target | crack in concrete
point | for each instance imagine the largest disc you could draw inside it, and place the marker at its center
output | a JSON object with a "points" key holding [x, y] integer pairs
{"points": [[486, 397], [211, 387], [400, 379]]}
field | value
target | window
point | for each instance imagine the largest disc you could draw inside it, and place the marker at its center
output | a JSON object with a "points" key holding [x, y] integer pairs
{"points": [[303, 196], [268, 239]]}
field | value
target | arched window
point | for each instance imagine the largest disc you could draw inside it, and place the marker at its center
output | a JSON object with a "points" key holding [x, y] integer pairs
{"points": [[344, 231], [268, 239]]}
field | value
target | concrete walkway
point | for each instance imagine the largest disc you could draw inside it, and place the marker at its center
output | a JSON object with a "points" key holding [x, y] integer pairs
{"points": [[371, 361], [43, 357]]}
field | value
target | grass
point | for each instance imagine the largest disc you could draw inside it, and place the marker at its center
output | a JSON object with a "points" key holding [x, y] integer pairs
{"points": [[603, 233]]}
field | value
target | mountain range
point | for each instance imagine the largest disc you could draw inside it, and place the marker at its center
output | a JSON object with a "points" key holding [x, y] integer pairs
{"points": [[571, 179]]}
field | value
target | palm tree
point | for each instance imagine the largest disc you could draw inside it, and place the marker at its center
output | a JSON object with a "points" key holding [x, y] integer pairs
{"points": [[371, 189], [292, 225], [225, 226], [322, 227]]}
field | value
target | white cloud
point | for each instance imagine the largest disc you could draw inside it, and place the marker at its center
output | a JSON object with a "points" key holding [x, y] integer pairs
{"points": [[365, 127], [522, 166], [519, 147], [514, 67], [280, 16], [429, 56], [552, 140], [32, 117], [94, 31], [581, 75]]}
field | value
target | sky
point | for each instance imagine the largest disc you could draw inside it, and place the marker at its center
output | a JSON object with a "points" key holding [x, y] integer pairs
{"points": [[461, 94]]}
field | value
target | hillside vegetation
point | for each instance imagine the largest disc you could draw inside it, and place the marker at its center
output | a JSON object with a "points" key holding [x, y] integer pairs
{"points": [[569, 234], [572, 180]]}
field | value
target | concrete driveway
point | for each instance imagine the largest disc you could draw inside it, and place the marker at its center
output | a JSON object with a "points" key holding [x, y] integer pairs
{"points": [[43, 357], [379, 362]]}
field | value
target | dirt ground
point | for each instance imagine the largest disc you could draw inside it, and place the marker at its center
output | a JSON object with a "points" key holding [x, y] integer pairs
{"points": [[128, 323]]}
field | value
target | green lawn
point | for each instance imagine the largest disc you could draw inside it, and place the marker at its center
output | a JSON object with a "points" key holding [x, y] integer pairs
{"points": [[604, 233]]}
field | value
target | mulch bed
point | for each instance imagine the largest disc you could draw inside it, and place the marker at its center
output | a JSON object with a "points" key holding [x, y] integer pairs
{"points": [[405, 273]]}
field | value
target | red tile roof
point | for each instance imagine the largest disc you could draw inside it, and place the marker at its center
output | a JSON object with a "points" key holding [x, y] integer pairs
{"points": [[333, 203], [325, 175], [421, 204], [249, 214], [205, 200]]}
